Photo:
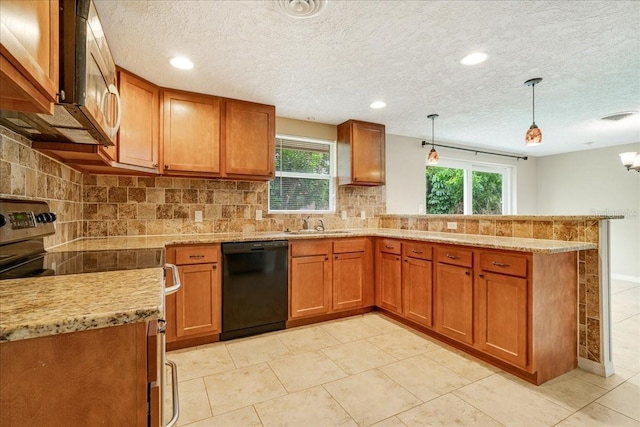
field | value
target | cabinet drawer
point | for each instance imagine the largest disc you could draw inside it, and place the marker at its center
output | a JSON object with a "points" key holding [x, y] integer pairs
{"points": [[389, 246], [455, 256], [349, 245], [310, 247], [497, 262], [197, 254], [417, 250]]}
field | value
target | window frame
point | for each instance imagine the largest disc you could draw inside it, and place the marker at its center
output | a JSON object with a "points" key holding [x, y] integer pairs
{"points": [[284, 174], [468, 167]]}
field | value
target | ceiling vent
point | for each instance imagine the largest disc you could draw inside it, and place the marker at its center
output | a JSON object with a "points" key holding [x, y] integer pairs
{"points": [[301, 8], [619, 116]]}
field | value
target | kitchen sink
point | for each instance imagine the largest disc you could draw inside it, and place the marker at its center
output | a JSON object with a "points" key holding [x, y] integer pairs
{"points": [[313, 232]]}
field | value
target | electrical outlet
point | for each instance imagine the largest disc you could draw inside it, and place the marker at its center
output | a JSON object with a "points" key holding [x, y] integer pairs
{"points": [[452, 225], [421, 208], [198, 216], [363, 215], [343, 215], [258, 214]]}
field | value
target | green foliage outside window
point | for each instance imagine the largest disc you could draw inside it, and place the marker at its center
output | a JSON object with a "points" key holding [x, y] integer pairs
{"points": [[445, 191]]}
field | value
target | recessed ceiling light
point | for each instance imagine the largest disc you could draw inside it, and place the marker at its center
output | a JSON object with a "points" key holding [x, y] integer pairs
{"points": [[474, 58], [181, 62], [378, 104]]}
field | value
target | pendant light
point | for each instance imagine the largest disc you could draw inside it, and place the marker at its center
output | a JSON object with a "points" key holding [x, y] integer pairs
{"points": [[433, 158], [534, 135]]}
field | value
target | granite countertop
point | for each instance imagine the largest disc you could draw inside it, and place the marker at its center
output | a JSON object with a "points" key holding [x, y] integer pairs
{"points": [[493, 242], [37, 307]]}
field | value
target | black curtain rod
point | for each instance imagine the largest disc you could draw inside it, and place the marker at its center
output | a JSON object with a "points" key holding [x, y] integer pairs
{"points": [[476, 151]]}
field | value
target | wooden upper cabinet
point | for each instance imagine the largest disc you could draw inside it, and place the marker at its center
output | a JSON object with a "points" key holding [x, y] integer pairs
{"points": [[138, 138], [361, 156], [191, 134], [29, 55], [249, 140]]}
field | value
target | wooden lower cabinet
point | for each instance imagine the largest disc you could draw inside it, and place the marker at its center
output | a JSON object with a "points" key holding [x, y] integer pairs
{"points": [[195, 310], [417, 289], [87, 378], [503, 317], [454, 302], [389, 275], [349, 280], [310, 285]]}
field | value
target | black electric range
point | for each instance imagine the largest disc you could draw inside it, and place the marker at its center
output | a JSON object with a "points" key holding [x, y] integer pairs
{"points": [[23, 226]]}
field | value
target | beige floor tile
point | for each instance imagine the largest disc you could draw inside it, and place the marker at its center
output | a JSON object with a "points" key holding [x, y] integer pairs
{"points": [[358, 356], [566, 390], [312, 407], [352, 329], [630, 325], [447, 410], [371, 396], [305, 340], [511, 403], [608, 383], [198, 362], [245, 417], [257, 350], [402, 344], [625, 358], [624, 399], [242, 387], [194, 403], [467, 366], [424, 377], [390, 422], [382, 323], [306, 370], [635, 380], [596, 415]]}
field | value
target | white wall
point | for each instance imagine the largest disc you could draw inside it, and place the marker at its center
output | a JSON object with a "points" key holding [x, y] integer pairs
{"points": [[405, 180], [595, 182]]}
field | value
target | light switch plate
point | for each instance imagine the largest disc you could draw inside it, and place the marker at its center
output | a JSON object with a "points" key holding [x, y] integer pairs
{"points": [[452, 225], [198, 216], [363, 215], [258, 214], [343, 215]]}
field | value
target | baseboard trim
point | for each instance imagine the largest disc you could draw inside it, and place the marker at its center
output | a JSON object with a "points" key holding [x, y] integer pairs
{"points": [[601, 369], [626, 278]]}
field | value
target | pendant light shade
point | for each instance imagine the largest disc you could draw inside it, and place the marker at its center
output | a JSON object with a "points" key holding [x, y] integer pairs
{"points": [[534, 134], [434, 157]]}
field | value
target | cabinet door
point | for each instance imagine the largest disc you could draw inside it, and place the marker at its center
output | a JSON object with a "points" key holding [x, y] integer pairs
{"points": [[417, 283], [367, 153], [348, 280], [389, 282], [138, 135], [249, 142], [29, 55], [503, 319], [454, 302], [191, 133], [310, 281], [198, 301]]}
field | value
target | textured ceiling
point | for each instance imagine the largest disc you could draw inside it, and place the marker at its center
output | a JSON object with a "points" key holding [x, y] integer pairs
{"points": [[331, 67]]}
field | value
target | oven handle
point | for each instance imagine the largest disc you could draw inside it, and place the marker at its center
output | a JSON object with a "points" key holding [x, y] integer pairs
{"points": [[176, 279], [174, 392]]}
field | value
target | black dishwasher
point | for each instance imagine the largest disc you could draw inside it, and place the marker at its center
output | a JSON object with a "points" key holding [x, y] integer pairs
{"points": [[254, 288]]}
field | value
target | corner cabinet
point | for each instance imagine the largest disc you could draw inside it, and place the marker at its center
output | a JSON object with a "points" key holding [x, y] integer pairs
{"points": [[138, 137], [29, 55], [361, 153], [191, 134], [249, 136], [352, 274]]}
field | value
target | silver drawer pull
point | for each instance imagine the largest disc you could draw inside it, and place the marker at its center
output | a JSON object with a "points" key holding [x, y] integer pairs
{"points": [[389, 247], [453, 256], [415, 251], [500, 264], [196, 256]]}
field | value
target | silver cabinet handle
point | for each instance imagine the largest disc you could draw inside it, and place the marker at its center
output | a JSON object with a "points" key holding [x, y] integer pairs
{"points": [[500, 264], [176, 279], [174, 393], [452, 256], [196, 256], [389, 247], [415, 251]]}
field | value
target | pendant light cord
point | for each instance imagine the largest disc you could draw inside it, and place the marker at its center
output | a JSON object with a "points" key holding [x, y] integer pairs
{"points": [[533, 88], [433, 120]]}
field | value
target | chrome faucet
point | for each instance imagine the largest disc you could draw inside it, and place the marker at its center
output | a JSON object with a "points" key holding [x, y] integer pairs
{"points": [[305, 223], [320, 227]]}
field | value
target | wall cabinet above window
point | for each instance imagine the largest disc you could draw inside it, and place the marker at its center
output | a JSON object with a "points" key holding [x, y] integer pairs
{"points": [[361, 148]]}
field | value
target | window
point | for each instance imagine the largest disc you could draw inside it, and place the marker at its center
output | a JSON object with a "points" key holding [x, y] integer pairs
{"points": [[465, 188], [304, 176]]}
